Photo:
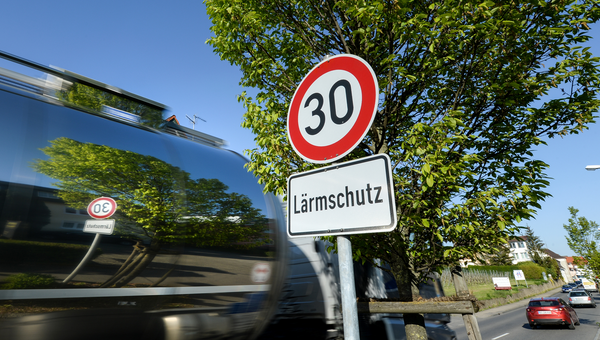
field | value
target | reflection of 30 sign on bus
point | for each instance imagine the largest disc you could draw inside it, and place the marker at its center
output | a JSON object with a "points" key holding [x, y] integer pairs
{"points": [[102, 207], [333, 108]]}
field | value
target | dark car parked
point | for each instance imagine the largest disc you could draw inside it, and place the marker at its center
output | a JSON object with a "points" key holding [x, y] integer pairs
{"points": [[566, 288]]}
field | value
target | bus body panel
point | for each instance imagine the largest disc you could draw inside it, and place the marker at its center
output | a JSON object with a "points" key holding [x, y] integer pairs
{"points": [[195, 238]]}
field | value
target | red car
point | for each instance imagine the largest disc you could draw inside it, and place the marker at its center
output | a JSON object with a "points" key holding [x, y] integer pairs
{"points": [[551, 311]]}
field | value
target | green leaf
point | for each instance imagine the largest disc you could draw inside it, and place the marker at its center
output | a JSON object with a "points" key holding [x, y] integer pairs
{"points": [[501, 225]]}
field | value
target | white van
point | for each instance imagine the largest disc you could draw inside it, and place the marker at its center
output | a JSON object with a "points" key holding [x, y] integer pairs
{"points": [[589, 285]]}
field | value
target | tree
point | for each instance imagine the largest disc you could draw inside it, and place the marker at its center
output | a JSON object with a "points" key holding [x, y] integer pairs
{"points": [[537, 254], [552, 267], [88, 98], [535, 246], [157, 201], [581, 238], [467, 90], [502, 257]]}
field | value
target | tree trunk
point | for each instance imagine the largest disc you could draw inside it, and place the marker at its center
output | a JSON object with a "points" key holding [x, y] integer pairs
{"points": [[125, 268], [133, 266], [414, 323], [135, 269], [164, 277], [136, 249], [148, 256]]}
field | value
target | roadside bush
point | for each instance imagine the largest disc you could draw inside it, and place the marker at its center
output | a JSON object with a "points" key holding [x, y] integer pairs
{"points": [[28, 281], [18, 252], [552, 268]]}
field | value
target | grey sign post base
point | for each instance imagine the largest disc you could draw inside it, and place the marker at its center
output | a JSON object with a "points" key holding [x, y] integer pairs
{"points": [[349, 309]]}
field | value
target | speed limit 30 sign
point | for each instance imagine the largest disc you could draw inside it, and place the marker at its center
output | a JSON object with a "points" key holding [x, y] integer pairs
{"points": [[333, 108], [102, 207]]}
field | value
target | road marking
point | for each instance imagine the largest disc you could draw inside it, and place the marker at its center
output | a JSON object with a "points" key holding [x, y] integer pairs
{"points": [[503, 335]]}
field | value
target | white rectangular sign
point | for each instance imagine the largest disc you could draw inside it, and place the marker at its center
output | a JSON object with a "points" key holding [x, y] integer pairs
{"points": [[501, 283], [354, 197], [99, 226], [519, 274]]}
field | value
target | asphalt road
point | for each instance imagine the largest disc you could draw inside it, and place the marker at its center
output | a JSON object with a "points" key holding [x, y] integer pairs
{"points": [[509, 323]]}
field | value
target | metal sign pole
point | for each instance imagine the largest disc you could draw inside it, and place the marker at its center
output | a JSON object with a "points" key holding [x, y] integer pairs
{"points": [[349, 309], [85, 259]]}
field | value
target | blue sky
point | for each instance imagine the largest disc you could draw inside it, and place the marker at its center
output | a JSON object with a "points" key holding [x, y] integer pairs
{"points": [[157, 49]]}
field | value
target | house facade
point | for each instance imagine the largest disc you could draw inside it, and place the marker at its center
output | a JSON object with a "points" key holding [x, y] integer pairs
{"points": [[518, 249], [562, 264]]}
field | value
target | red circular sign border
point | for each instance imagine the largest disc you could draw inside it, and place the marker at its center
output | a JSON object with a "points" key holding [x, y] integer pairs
{"points": [[369, 90], [114, 207]]}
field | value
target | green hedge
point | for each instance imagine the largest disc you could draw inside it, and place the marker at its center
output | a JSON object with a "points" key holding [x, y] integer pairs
{"points": [[31, 252], [532, 270]]}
